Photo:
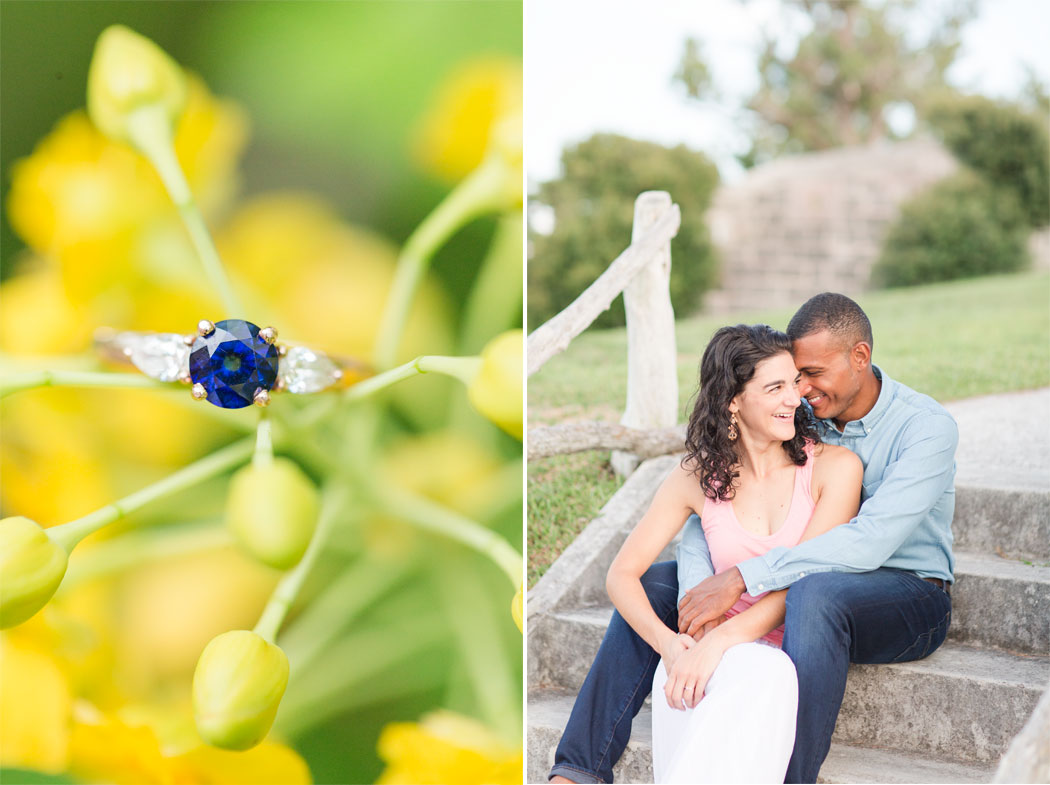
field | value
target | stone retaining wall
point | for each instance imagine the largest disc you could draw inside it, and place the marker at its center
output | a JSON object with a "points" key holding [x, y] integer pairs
{"points": [[815, 222]]}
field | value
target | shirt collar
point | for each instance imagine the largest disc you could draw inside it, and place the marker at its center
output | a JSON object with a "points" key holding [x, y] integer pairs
{"points": [[878, 411]]}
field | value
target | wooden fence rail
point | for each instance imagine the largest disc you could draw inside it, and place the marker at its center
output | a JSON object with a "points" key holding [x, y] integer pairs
{"points": [[642, 273]]}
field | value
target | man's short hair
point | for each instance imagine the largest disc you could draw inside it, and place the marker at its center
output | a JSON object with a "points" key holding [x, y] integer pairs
{"points": [[834, 312]]}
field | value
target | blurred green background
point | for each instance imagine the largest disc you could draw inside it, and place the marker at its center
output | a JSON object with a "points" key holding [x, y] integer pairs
{"points": [[335, 91], [335, 94]]}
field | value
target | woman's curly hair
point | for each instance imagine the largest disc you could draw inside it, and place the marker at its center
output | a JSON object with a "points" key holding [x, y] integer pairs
{"points": [[728, 364]]}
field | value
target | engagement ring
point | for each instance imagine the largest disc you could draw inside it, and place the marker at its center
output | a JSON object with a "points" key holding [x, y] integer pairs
{"points": [[232, 363]]}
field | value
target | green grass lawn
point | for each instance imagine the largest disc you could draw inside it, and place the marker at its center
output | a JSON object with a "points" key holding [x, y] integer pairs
{"points": [[953, 340]]}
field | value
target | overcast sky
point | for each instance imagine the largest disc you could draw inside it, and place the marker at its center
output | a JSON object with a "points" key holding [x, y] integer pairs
{"points": [[607, 65]]}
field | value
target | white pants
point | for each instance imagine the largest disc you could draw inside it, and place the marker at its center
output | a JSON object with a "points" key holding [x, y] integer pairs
{"points": [[742, 731]]}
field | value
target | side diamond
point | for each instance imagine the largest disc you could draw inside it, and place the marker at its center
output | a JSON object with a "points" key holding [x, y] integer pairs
{"points": [[303, 370], [162, 356]]}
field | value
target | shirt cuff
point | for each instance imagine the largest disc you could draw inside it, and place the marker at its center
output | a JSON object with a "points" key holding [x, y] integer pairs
{"points": [[756, 574]]}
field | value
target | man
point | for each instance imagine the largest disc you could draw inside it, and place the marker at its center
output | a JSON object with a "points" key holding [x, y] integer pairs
{"points": [[872, 591]]}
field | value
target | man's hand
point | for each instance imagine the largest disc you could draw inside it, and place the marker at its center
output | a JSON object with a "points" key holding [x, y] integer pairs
{"points": [[709, 600], [699, 635]]}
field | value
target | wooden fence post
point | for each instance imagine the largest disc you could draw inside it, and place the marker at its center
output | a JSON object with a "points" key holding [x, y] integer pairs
{"points": [[652, 373]]}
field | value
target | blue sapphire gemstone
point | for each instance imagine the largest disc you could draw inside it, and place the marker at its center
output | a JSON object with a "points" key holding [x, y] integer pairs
{"points": [[233, 363]]}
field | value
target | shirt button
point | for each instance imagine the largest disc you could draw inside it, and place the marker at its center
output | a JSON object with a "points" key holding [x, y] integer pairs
{"points": [[802, 575], [761, 587]]}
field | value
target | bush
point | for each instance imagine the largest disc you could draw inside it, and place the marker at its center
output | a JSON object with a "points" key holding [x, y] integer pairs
{"points": [[593, 206], [959, 228], [1006, 145]]}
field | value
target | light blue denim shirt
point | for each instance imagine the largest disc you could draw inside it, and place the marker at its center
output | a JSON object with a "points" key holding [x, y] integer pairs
{"points": [[907, 445]]}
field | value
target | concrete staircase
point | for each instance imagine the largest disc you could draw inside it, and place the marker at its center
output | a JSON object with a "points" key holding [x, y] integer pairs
{"points": [[948, 718]]}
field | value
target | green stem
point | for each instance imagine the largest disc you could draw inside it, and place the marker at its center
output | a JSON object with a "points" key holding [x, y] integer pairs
{"points": [[18, 382], [495, 296], [462, 368], [263, 455], [359, 587], [373, 666], [470, 609], [427, 515], [151, 134], [135, 549], [69, 534], [29, 380], [478, 193], [494, 305], [231, 418], [288, 587]]}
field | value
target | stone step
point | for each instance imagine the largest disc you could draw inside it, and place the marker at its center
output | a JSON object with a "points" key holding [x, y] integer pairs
{"points": [[1012, 523], [548, 712], [1001, 603], [969, 702], [996, 603]]}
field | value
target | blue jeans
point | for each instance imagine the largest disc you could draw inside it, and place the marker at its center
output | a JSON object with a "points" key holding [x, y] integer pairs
{"points": [[833, 618]]}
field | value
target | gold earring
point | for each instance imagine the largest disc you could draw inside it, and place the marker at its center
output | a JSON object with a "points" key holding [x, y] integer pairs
{"points": [[732, 428]]}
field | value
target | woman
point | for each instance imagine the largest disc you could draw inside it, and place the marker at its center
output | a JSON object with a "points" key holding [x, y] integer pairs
{"points": [[758, 478]]}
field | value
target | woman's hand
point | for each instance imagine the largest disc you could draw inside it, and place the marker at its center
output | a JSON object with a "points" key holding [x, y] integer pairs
{"points": [[674, 646], [688, 676]]}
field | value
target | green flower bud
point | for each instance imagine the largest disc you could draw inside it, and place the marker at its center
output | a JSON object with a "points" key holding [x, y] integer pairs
{"points": [[31, 568], [496, 391], [237, 688], [506, 150], [272, 510], [129, 72]]}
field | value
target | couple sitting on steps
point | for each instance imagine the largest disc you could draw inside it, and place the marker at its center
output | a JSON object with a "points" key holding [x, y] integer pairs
{"points": [[816, 535]]}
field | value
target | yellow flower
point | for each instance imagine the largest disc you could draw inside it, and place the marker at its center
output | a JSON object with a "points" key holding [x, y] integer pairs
{"points": [[170, 610], [323, 281], [517, 607], [97, 207], [105, 749], [47, 725], [72, 428], [39, 318], [128, 73], [507, 153], [35, 704], [109, 748], [267, 764], [110, 250], [272, 510], [457, 129], [237, 687], [452, 469], [125, 750], [496, 391], [209, 140], [43, 430], [444, 747], [83, 200]]}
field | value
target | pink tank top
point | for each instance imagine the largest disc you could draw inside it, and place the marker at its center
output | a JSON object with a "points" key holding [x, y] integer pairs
{"points": [[730, 543]]}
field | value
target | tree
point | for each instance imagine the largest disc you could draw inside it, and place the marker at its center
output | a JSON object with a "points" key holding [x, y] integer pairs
{"points": [[1005, 144], [593, 204], [837, 87], [961, 227]]}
